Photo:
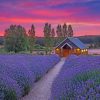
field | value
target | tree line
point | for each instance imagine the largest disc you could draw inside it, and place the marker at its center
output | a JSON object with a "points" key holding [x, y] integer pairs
{"points": [[17, 39]]}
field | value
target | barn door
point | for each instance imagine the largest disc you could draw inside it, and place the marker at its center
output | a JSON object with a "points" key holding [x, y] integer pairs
{"points": [[66, 52]]}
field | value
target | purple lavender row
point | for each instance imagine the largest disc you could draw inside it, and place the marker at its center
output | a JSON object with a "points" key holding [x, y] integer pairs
{"points": [[19, 72], [79, 79]]}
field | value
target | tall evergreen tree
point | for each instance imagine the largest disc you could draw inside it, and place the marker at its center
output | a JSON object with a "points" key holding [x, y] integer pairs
{"points": [[47, 37], [70, 31], [31, 34], [47, 30], [59, 31], [65, 30], [53, 37], [53, 32]]}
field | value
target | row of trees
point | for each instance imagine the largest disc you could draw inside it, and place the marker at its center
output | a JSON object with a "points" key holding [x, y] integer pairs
{"points": [[61, 30], [17, 39], [64, 31]]}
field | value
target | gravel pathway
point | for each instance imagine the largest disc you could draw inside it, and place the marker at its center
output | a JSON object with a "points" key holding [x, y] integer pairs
{"points": [[42, 89]]}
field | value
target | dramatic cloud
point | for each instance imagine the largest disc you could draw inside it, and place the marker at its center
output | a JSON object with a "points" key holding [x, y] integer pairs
{"points": [[84, 15]]}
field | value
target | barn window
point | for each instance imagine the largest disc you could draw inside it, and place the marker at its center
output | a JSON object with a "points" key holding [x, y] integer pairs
{"points": [[57, 49], [78, 49], [82, 50]]}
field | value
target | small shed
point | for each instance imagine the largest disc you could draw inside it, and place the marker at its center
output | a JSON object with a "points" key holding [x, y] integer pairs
{"points": [[71, 45]]}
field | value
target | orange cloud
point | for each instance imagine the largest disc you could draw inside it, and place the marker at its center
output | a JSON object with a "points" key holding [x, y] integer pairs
{"points": [[1, 33]]}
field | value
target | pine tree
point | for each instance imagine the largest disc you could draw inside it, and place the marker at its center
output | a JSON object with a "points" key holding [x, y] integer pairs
{"points": [[53, 32], [47, 30], [47, 37], [52, 37], [31, 34], [65, 30], [59, 31], [70, 31]]}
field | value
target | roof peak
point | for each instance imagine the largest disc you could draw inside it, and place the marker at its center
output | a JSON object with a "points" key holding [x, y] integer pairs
{"points": [[75, 41]]}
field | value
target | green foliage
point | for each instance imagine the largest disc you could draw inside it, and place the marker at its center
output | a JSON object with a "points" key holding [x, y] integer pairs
{"points": [[86, 75], [59, 31], [47, 30], [38, 47], [15, 39], [24, 52], [70, 31], [31, 43], [31, 37], [52, 38], [2, 50], [10, 95], [26, 90], [48, 38], [38, 78], [65, 32]]}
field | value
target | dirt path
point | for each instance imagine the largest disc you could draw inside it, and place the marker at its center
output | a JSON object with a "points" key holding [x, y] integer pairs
{"points": [[42, 89]]}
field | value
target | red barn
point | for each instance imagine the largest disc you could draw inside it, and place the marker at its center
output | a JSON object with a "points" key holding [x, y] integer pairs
{"points": [[69, 46]]}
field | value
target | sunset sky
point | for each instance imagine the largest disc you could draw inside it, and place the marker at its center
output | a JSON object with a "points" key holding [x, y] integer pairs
{"points": [[83, 15]]}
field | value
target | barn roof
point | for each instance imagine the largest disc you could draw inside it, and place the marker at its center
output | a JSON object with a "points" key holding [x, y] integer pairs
{"points": [[77, 42], [73, 42]]}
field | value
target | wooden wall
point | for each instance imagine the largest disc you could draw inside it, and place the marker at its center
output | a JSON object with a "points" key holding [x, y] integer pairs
{"points": [[65, 52]]}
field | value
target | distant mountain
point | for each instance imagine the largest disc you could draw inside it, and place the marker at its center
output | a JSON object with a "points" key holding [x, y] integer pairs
{"points": [[89, 39]]}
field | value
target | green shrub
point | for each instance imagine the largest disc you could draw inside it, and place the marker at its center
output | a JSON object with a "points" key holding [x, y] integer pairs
{"points": [[86, 75], [26, 90], [10, 95], [15, 39], [38, 78]]}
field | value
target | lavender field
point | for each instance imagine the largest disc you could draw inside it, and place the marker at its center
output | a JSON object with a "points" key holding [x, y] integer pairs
{"points": [[19, 72], [79, 79]]}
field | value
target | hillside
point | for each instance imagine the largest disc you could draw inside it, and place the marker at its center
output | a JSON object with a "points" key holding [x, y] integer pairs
{"points": [[85, 39], [89, 39]]}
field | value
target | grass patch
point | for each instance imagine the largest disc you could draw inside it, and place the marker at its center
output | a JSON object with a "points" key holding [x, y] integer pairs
{"points": [[38, 78], [86, 75], [82, 83], [10, 95], [26, 90]]}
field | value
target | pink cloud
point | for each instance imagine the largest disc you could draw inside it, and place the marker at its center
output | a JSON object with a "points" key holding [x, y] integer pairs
{"points": [[21, 20], [59, 11], [1, 33]]}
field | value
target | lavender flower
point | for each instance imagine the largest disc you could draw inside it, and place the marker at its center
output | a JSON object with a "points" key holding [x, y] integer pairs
{"points": [[18, 73], [78, 79]]}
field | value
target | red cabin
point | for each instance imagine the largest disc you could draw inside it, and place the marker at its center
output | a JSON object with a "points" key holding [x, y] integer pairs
{"points": [[69, 46]]}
